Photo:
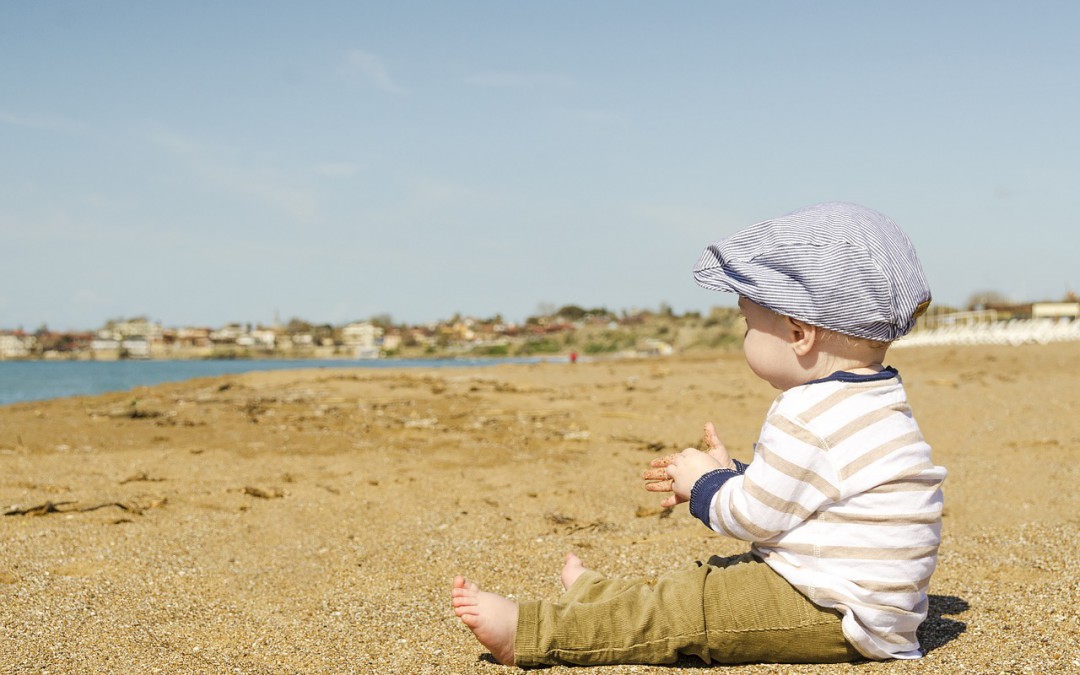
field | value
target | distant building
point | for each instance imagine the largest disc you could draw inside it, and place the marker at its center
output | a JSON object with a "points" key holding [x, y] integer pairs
{"points": [[1055, 310], [392, 342], [103, 346], [303, 339], [228, 334], [135, 348], [654, 347], [15, 345], [1035, 310], [363, 338], [139, 327], [1000, 310], [191, 337], [264, 338]]}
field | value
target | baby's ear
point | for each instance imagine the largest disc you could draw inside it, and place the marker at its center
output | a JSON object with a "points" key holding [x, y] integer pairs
{"points": [[803, 336]]}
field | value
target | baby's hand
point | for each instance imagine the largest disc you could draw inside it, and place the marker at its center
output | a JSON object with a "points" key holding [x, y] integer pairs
{"points": [[659, 479], [685, 470], [716, 448]]}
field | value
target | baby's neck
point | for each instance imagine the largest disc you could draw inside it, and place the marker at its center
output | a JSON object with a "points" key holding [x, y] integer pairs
{"points": [[858, 364], [867, 369]]}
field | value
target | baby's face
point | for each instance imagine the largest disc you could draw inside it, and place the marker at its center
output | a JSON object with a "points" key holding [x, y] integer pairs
{"points": [[767, 346]]}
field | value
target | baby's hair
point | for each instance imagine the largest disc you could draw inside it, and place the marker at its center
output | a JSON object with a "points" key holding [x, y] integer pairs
{"points": [[852, 342]]}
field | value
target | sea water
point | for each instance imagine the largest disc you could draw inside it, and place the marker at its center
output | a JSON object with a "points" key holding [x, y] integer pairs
{"points": [[40, 380]]}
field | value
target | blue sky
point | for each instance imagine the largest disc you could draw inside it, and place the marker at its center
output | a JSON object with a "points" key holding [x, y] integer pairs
{"points": [[204, 162]]}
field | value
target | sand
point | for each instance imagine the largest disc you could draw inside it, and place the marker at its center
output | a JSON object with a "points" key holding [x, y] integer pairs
{"points": [[312, 521]]}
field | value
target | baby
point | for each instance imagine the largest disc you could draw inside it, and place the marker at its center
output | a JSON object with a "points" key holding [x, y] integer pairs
{"points": [[841, 503]]}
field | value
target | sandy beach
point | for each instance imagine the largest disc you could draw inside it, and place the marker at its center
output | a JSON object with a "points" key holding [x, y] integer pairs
{"points": [[312, 521]]}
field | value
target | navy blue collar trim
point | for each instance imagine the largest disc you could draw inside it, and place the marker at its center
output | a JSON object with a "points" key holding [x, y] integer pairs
{"points": [[844, 376]]}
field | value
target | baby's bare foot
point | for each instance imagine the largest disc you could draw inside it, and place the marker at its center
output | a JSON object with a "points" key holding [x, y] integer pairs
{"points": [[572, 569], [492, 618]]}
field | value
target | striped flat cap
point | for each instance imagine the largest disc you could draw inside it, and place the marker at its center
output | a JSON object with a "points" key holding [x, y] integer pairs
{"points": [[836, 265]]}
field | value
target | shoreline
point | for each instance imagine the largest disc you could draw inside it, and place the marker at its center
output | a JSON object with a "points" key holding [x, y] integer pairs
{"points": [[83, 378]]}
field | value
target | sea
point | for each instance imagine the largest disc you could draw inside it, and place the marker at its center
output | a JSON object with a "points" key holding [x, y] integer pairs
{"points": [[42, 380]]}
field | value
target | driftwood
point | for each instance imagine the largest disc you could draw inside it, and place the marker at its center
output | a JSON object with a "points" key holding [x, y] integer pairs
{"points": [[39, 510], [264, 493], [649, 446], [56, 507], [141, 476]]}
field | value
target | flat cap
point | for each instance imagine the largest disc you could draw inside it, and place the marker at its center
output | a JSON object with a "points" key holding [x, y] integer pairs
{"points": [[835, 265]]}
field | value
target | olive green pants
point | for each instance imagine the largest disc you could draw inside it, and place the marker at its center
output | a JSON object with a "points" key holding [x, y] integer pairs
{"points": [[727, 610]]}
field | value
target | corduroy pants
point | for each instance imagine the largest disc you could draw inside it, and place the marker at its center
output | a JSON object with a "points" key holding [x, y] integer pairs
{"points": [[726, 610]]}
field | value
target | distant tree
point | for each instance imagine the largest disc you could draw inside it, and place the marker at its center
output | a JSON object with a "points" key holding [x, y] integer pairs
{"points": [[296, 326], [571, 312], [983, 299], [325, 332], [725, 317], [383, 320], [64, 343]]}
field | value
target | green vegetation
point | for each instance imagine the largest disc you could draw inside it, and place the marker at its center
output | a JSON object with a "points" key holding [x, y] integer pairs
{"points": [[540, 346], [611, 341], [229, 353], [491, 350]]}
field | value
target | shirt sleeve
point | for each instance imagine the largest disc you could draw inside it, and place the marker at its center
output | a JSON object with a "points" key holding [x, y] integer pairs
{"points": [[706, 487], [790, 479]]}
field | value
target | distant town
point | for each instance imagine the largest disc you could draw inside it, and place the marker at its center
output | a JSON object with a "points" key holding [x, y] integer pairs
{"points": [[570, 329], [567, 331]]}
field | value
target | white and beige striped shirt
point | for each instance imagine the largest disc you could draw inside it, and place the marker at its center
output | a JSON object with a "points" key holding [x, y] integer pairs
{"points": [[843, 500]]}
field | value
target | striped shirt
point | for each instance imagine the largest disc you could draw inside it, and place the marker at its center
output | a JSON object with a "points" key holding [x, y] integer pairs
{"points": [[843, 501]]}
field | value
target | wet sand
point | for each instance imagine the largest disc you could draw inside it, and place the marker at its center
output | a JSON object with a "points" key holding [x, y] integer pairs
{"points": [[312, 521]]}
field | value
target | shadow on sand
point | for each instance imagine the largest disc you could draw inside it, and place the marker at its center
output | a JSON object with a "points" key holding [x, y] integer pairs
{"points": [[938, 630]]}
